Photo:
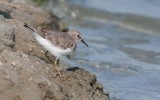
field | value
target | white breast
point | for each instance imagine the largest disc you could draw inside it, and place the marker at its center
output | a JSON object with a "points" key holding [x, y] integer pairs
{"points": [[51, 48]]}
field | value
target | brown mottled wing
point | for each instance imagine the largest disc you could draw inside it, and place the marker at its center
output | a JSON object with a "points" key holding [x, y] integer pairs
{"points": [[60, 39]]}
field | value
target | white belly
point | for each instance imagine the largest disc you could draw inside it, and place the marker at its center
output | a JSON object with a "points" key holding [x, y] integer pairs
{"points": [[51, 48]]}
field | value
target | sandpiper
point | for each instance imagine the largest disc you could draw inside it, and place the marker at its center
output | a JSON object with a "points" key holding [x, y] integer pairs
{"points": [[57, 43]]}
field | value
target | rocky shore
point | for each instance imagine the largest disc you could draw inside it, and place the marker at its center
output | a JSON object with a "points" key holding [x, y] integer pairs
{"points": [[25, 73]]}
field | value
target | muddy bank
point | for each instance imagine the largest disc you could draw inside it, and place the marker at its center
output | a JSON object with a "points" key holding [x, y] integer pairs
{"points": [[25, 73]]}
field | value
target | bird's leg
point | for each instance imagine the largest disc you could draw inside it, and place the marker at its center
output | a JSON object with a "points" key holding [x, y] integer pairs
{"points": [[46, 54], [55, 64], [58, 62]]}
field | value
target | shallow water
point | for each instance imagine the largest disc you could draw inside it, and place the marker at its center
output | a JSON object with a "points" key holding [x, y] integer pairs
{"points": [[123, 51], [126, 62]]}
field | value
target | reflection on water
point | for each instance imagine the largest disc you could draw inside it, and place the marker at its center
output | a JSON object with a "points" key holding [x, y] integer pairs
{"points": [[125, 61]]}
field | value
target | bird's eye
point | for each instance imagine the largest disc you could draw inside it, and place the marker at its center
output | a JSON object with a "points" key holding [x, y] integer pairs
{"points": [[78, 36]]}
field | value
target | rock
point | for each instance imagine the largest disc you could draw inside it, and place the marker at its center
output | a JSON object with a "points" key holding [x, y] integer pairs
{"points": [[16, 9], [24, 72]]}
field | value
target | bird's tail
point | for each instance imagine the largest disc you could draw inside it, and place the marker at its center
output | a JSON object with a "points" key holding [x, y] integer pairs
{"points": [[25, 25]]}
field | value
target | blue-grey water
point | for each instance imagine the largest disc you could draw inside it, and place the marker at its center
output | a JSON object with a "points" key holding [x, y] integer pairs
{"points": [[124, 44]]}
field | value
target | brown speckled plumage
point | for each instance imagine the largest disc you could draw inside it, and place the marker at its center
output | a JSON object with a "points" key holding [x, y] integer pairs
{"points": [[58, 43], [59, 39]]}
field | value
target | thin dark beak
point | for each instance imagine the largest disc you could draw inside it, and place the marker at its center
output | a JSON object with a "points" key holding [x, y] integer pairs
{"points": [[84, 42]]}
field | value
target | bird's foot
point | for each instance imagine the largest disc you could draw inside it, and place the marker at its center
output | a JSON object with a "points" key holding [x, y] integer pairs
{"points": [[59, 75]]}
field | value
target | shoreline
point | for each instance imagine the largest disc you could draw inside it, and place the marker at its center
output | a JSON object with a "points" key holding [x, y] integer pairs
{"points": [[25, 74]]}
